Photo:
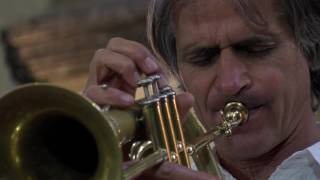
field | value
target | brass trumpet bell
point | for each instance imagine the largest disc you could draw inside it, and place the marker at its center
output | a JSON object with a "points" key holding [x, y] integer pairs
{"points": [[48, 132]]}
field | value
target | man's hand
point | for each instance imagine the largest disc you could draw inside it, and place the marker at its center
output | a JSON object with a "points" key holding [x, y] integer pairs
{"points": [[172, 171], [120, 65]]}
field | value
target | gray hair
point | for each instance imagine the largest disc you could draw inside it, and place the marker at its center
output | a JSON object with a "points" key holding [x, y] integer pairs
{"points": [[301, 16]]}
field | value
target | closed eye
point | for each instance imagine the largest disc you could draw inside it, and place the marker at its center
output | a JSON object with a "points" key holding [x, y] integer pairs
{"points": [[255, 47], [255, 51], [203, 56]]}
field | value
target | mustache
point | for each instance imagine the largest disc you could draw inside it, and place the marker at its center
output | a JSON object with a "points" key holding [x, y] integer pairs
{"points": [[251, 101]]}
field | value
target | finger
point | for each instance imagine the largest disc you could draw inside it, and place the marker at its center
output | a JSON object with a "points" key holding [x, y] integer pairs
{"points": [[163, 81], [110, 96], [184, 102], [120, 83], [92, 76], [127, 164], [107, 60], [143, 58], [173, 171], [137, 52]]}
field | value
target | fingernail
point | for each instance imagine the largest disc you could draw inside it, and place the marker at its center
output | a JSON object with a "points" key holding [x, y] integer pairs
{"points": [[151, 64], [127, 99]]}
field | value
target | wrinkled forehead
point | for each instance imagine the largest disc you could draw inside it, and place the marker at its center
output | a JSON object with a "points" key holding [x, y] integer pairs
{"points": [[254, 12]]}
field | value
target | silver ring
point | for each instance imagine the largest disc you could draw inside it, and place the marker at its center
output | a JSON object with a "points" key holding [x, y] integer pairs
{"points": [[106, 107], [104, 86]]}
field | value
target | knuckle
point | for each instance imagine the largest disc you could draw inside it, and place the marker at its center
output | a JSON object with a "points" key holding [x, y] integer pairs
{"points": [[92, 65], [98, 54], [136, 50], [97, 57], [140, 54], [115, 42], [140, 47], [127, 68], [140, 50]]}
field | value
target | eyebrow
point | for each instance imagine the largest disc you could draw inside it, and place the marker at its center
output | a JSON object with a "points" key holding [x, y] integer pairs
{"points": [[192, 49], [257, 39], [200, 51]]}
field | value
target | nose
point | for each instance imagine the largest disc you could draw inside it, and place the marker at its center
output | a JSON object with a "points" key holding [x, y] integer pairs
{"points": [[232, 74]]}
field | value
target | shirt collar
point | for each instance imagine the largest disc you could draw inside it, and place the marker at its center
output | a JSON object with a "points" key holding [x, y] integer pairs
{"points": [[310, 155]]}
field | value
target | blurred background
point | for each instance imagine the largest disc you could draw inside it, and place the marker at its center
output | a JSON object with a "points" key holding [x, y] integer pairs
{"points": [[54, 40]]}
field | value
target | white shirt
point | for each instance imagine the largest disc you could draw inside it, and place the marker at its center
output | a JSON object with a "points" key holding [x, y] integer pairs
{"points": [[303, 165]]}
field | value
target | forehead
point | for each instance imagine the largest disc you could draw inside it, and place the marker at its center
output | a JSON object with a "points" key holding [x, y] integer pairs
{"points": [[223, 17], [242, 7]]}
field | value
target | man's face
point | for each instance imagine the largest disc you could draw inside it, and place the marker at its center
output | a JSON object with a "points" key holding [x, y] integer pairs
{"points": [[222, 57]]}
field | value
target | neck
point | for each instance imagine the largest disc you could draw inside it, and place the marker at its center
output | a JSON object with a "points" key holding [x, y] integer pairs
{"points": [[305, 134]]}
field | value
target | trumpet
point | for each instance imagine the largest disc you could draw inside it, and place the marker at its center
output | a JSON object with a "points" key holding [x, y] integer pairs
{"points": [[47, 132]]}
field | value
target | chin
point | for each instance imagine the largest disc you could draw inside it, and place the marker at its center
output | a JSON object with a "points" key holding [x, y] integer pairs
{"points": [[244, 146], [254, 138]]}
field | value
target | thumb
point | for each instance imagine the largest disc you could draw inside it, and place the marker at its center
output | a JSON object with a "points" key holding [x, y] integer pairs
{"points": [[184, 102]]}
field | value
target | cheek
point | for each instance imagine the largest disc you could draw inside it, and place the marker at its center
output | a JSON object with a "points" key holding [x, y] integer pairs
{"points": [[271, 80], [291, 80], [198, 83], [284, 83], [298, 94]]}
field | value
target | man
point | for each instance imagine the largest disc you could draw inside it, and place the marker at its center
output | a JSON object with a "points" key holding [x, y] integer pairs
{"points": [[261, 53]]}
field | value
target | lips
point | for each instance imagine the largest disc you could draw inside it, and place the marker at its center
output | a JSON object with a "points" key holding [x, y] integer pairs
{"points": [[254, 121], [255, 103], [254, 110], [252, 102]]}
